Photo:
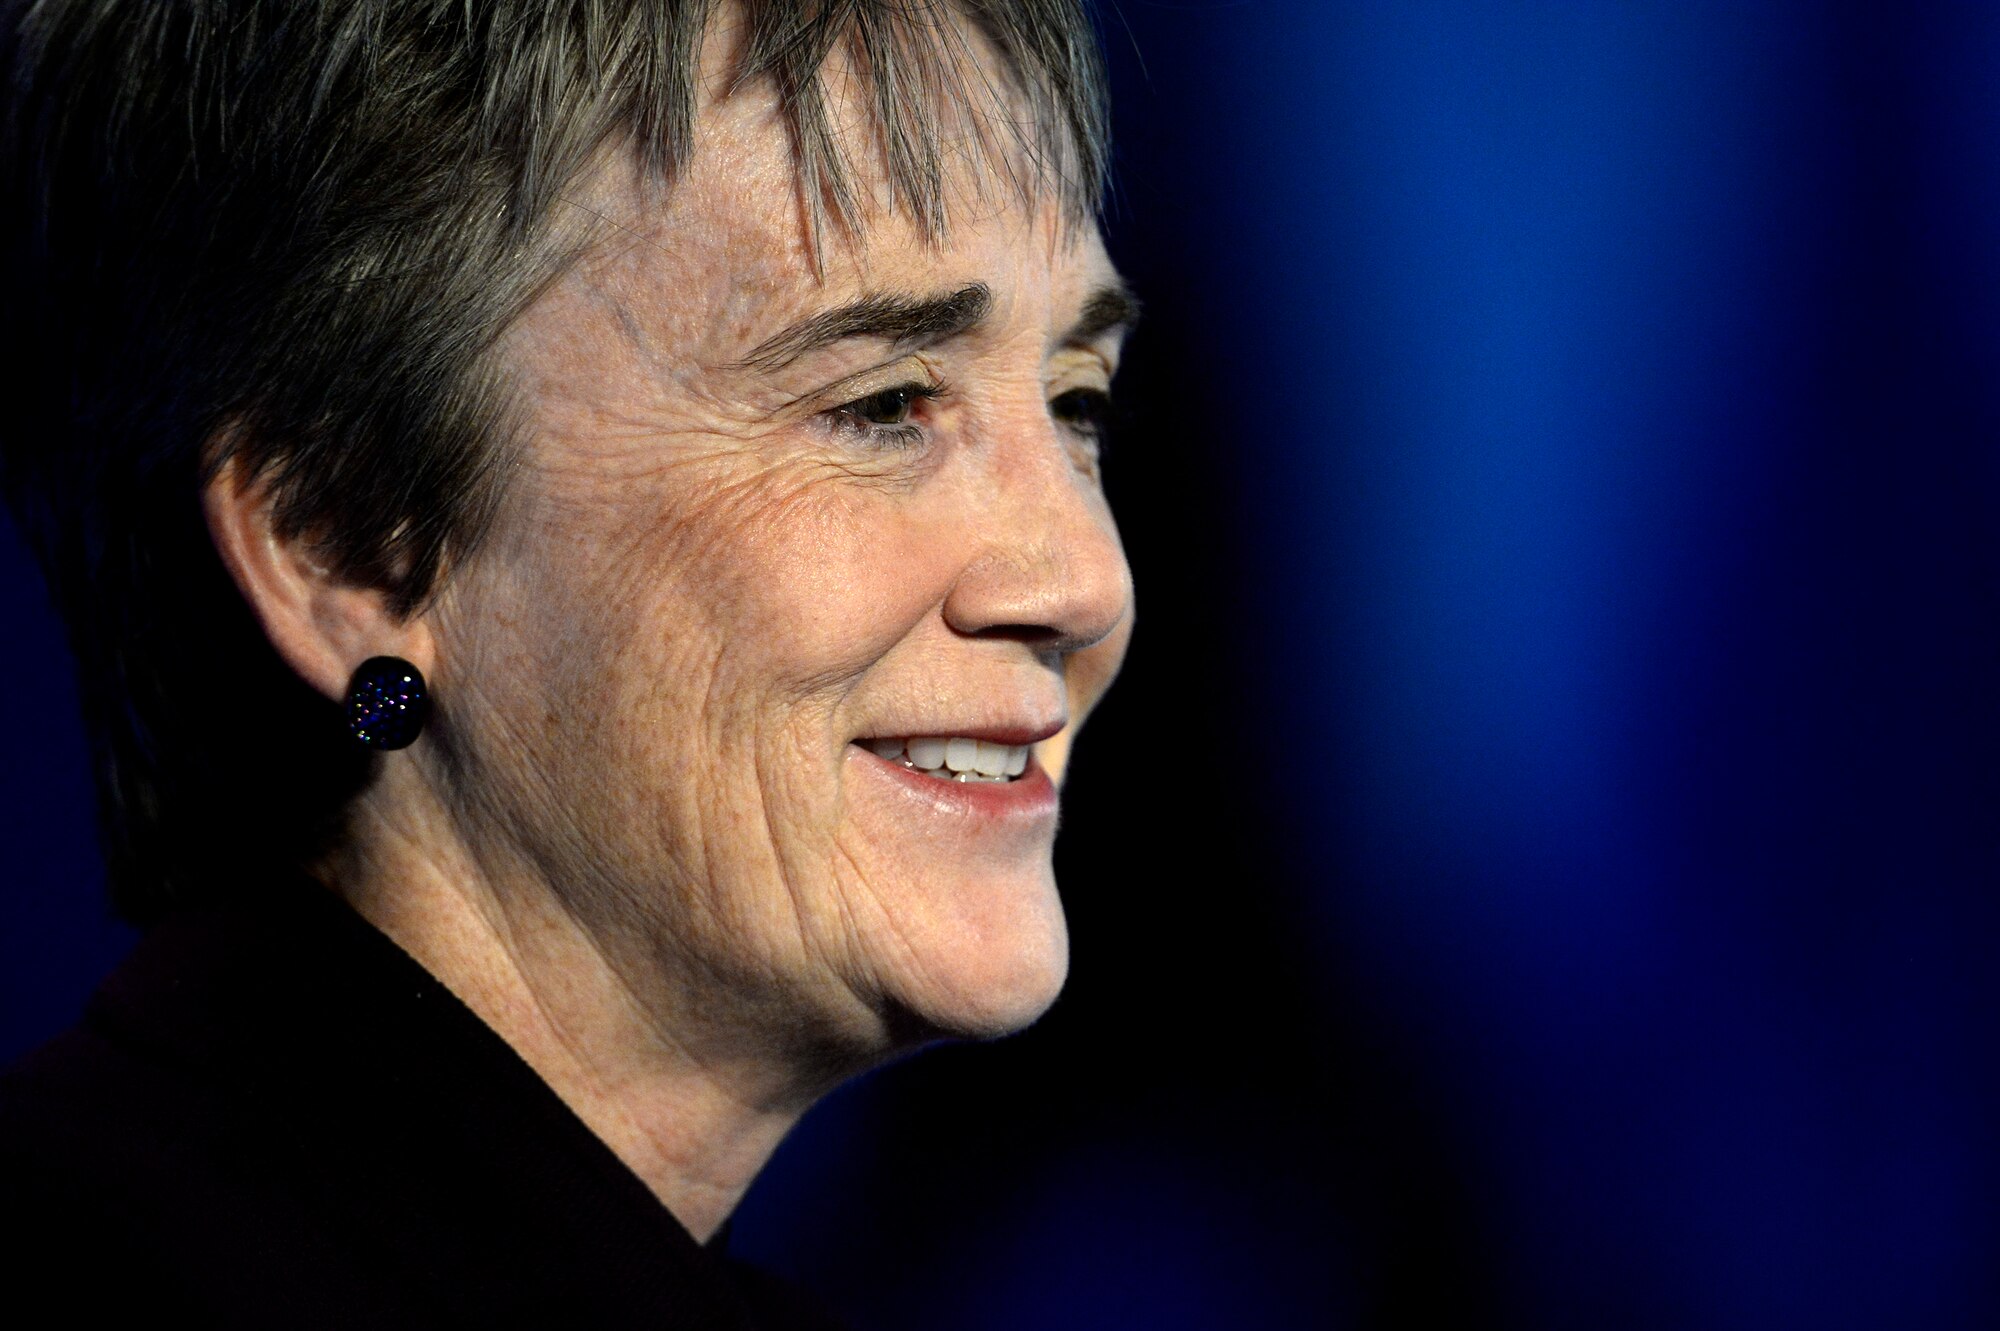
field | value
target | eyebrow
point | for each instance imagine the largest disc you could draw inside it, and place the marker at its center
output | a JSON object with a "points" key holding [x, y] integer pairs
{"points": [[1110, 307], [923, 320], [900, 319]]}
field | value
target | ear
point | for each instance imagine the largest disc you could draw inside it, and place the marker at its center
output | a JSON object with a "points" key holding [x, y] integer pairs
{"points": [[322, 626]]}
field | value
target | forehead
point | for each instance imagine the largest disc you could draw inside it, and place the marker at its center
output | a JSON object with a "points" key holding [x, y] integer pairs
{"points": [[735, 247]]}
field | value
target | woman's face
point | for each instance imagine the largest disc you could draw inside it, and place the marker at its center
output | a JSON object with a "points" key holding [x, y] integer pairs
{"points": [[767, 523]]}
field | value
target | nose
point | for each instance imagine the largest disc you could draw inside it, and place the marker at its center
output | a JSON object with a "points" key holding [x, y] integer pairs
{"points": [[1047, 568]]}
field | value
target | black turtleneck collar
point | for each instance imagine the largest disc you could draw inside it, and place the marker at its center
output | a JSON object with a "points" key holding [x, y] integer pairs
{"points": [[272, 1114]]}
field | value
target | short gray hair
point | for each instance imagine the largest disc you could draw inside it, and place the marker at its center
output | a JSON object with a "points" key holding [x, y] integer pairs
{"points": [[288, 233]]}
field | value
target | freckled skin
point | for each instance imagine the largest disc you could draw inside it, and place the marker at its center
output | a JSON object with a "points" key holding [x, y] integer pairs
{"points": [[640, 837], [701, 591]]}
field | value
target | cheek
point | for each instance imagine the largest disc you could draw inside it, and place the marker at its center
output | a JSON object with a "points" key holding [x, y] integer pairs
{"points": [[693, 609], [677, 648], [802, 584]]}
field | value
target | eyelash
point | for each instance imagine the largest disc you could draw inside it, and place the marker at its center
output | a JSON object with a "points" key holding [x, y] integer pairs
{"points": [[1088, 414], [890, 436]]}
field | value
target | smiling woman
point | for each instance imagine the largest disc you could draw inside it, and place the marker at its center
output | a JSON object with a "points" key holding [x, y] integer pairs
{"points": [[689, 420]]}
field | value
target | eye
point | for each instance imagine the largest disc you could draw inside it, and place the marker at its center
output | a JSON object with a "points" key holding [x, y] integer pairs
{"points": [[891, 406], [1086, 411], [882, 419]]}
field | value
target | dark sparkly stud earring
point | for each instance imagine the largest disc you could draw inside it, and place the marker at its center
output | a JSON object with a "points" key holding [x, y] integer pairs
{"points": [[387, 703]]}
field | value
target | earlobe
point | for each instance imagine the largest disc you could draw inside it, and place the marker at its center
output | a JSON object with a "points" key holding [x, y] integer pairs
{"points": [[321, 625], [387, 703]]}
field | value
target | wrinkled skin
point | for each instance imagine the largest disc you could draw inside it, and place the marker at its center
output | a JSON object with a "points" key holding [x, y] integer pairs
{"points": [[639, 838], [706, 587]]}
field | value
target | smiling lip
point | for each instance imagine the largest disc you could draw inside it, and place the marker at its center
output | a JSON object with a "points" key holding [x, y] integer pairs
{"points": [[1028, 795], [1009, 735]]}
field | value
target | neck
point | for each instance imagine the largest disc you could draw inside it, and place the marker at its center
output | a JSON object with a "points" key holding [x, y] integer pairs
{"points": [[694, 1125]]}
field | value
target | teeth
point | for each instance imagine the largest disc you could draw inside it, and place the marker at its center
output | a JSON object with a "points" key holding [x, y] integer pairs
{"points": [[955, 758], [989, 759]]}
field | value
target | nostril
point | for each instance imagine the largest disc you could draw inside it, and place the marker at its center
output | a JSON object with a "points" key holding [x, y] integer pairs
{"points": [[1035, 635]]}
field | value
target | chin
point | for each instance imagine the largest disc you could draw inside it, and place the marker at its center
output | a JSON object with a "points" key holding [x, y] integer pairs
{"points": [[987, 987]]}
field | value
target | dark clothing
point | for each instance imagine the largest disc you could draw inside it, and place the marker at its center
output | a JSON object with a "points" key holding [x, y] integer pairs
{"points": [[275, 1117]]}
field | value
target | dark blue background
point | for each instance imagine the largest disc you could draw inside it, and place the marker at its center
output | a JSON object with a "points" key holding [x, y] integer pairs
{"points": [[1539, 868]]}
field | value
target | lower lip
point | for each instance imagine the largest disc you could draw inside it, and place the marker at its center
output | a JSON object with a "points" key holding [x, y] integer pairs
{"points": [[1029, 797]]}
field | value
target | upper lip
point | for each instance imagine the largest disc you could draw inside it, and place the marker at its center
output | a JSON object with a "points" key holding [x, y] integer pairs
{"points": [[1010, 734]]}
